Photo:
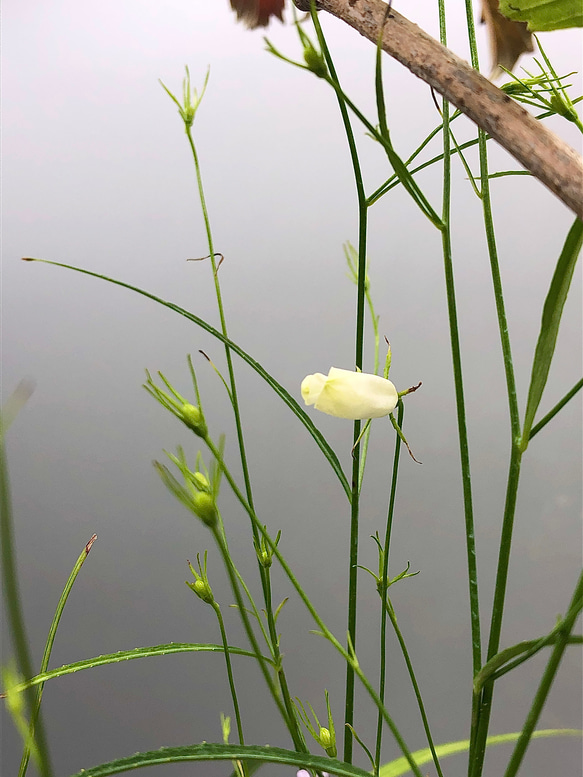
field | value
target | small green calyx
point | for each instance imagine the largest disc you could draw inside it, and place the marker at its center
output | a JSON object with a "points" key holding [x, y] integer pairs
{"points": [[204, 506], [190, 415], [561, 107], [315, 61], [190, 99], [328, 742], [201, 585], [325, 736], [199, 491], [194, 419], [265, 551], [265, 559], [202, 590]]}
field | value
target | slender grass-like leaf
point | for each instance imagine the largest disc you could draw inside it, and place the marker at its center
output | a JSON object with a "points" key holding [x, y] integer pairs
{"points": [[497, 665], [10, 587], [546, 682], [128, 655], [49, 645], [401, 170], [400, 766], [551, 318], [554, 410], [217, 752], [504, 173], [298, 411], [394, 180]]}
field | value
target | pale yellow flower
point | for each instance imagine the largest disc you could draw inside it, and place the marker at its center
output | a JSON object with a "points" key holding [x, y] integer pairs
{"points": [[347, 394]]}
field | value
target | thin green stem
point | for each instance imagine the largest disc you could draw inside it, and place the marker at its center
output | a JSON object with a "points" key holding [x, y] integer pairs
{"points": [[232, 688], [271, 639], [224, 551], [324, 630], [264, 573], [234, 397], [394, 181], [285, 694], [546, 681], [358, 360], [553, 412], [378, 193], [471, 178], [15, 618], [375, 327], [463, 442], [481, 721], [396, 162], [384, 583], [245, 587], [472, 35], [393, 617], [253, 606], [481, 716], [503, 662]]}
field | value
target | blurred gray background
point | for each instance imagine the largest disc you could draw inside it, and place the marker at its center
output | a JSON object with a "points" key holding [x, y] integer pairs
{"points": [[97, 173]]}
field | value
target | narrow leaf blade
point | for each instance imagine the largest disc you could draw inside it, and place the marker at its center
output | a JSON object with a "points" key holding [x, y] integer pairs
{"points": [[551, 318]]}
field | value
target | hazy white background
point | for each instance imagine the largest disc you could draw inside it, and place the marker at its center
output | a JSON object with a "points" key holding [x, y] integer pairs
{"points": [[97, 173]]}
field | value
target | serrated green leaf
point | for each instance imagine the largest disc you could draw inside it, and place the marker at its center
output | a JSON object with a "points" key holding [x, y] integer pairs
{"points": [[544, 15]]}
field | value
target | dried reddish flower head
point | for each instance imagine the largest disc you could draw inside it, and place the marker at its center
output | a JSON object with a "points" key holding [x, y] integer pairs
{"points": [[257, 13]]}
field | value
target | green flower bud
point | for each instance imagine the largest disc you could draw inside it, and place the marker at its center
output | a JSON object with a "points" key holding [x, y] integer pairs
{"points": [[265, 559], [561, 107], [264, 551], [201, 482], [201, 586], [203, 590], [328, 742], [204, 506], [315, 61], [194, 419]]}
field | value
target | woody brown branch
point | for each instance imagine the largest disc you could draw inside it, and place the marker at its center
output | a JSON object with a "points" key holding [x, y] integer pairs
{"points": [[537, 149]]}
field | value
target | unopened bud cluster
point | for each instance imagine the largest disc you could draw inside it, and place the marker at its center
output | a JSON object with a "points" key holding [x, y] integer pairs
{"points": [[201, 585]]}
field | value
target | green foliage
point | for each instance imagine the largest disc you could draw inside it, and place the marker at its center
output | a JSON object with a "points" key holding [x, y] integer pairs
{"points": [[544, 15], [198, 488], [551, 318], [400, 767], [217, 752], [129, 655]]}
